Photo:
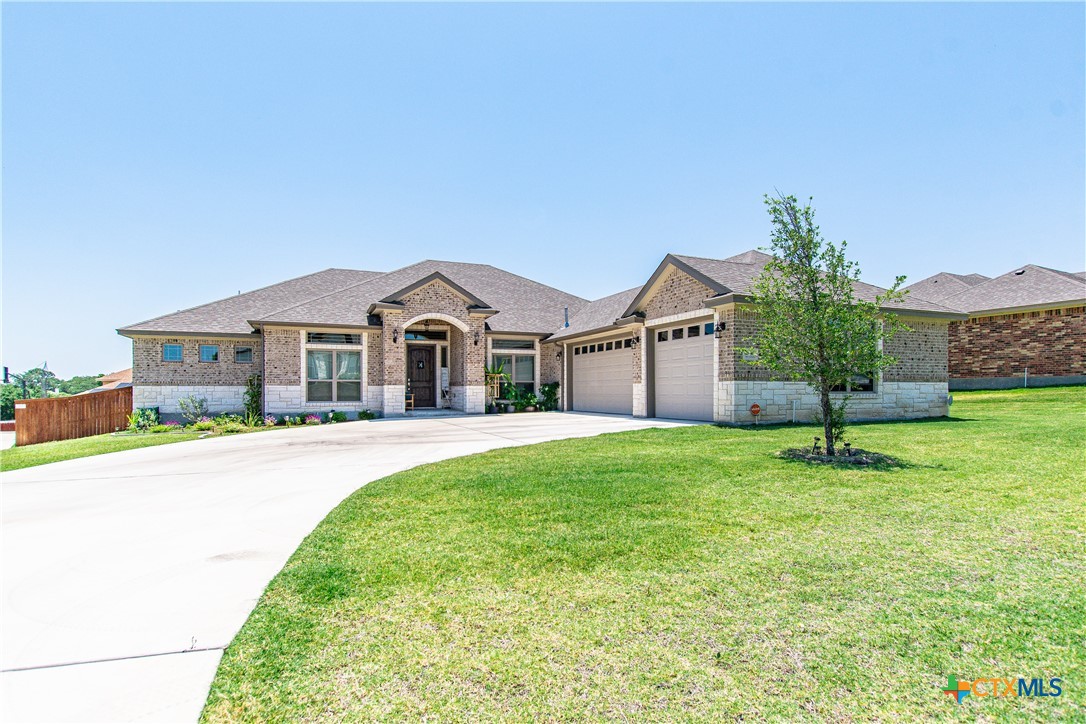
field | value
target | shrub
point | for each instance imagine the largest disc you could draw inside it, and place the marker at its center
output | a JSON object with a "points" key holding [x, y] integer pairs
{"points": [[142, 420], [162, 428], [270, 421], [204, 423], [338, 417], [312, 420], [193, 408], [253, 391], [174, 425], [233, 427], [549, 400], [367, 415], [228, 418]]}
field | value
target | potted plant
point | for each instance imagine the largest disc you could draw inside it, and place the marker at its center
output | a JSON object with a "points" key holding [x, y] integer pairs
{"points": [[496, 378]]}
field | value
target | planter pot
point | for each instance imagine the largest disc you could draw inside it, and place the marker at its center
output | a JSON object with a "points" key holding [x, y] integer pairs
{"points": [[529, 409]]}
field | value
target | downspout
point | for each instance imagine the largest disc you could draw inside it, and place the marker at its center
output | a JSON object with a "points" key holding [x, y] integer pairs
{"points": [[263, 373]]}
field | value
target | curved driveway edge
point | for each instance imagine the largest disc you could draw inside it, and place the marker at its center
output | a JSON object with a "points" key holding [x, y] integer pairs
{"points": [[125, 575]]}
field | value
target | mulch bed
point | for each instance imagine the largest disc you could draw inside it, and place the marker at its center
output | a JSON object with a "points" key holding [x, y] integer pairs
{"points": [[858, 457]]}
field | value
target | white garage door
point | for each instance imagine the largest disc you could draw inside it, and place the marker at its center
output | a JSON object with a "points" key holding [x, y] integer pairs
{"points": [[603, 376], [684, 371]]}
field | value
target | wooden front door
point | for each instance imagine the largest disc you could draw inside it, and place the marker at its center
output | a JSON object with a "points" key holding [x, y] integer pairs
{"points": [[420, 371]]}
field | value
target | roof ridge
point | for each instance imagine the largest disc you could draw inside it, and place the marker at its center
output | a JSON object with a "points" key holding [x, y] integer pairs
{"points": [[727, 260], [242, 294]]}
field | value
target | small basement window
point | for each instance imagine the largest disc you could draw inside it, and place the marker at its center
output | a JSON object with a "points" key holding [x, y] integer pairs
{"points": [[172, 353], [332, 338], [243, 355], [209, 353]]}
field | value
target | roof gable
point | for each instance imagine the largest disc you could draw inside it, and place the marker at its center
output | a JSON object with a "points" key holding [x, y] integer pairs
{"points": [[471, 299], [671, 261]]}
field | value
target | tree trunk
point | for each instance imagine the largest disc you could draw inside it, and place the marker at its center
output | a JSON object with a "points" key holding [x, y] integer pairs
{"points": [[827, 420]]}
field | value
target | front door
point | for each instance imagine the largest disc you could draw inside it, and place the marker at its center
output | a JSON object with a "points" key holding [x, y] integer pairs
{"points": [[420, 373]]}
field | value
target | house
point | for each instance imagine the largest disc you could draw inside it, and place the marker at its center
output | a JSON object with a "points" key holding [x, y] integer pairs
{"points": [[350, 340], [1026, 327], [112, 381]]}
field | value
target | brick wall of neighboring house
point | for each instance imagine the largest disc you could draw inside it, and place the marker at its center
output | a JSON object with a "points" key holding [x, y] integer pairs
{"points": [[1049, 342], [282, 356], [921, 352], [149, 369], [675, 293], [550, 367]]}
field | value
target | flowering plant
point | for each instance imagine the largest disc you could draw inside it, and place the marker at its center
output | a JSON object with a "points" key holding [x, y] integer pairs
{"points": [[270, 421], [173, 423], [312, 420]]}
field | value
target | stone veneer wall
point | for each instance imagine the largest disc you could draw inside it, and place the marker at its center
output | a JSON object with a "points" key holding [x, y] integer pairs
{"points": [[675, 293], [892, 401], [220, 398], [1050, 342]]}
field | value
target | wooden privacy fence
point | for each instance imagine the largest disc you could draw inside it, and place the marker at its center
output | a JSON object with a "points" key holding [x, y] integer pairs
{"points": [[65, 418]]}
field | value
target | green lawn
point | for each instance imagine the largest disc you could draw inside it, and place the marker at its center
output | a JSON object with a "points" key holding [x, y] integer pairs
{"points": [[51, 452], [690, 574]]}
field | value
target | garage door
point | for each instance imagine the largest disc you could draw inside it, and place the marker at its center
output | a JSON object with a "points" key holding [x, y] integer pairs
{"points": [[603, 377], [684, 371]]}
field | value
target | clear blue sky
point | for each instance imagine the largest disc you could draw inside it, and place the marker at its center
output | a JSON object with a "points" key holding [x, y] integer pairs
{"points": [[160, 156]]}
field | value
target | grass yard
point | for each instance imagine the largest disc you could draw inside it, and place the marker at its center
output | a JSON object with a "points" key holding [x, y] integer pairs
{"points": [[51, 452], [690, 574]]}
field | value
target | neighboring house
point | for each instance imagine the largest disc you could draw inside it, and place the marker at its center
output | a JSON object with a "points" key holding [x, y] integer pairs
{"points": [[350, 340], [112, 381], [1026, 327]]}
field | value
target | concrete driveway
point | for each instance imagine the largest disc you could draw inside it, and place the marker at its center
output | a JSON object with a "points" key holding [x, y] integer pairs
{"points": [[125, 575]]}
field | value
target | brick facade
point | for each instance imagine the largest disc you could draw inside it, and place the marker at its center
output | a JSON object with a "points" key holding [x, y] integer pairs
{"points": [[675, 292], [282, 356], [148, 367], [550, 367], [1049, 342], [921, 353]]}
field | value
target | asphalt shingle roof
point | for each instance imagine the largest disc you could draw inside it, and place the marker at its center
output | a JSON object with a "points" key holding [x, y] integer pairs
{"points": [[598, 314], [1028, 286], [231, 315], [938, 287], [737, 275], [523, 305]]}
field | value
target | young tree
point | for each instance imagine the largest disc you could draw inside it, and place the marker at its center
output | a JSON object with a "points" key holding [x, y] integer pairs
{"points": [[813, 327]]}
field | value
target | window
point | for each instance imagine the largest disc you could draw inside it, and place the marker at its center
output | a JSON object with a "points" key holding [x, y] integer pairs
{"points": [[444, 356], [857, 383], [694, 331], [513, 344], [610, 346], [209, 353], [172, 353], [333, 376], [243, 355], [661, 336], [710, 327], [591, 348], [332, 338], [576, 350], [426, 335], [677, 333], [520, 368], [627, 343]]}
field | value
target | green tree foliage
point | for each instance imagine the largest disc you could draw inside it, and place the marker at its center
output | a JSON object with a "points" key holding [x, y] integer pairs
{"points": [[814, 328], [79, 383], [8, 395]]}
